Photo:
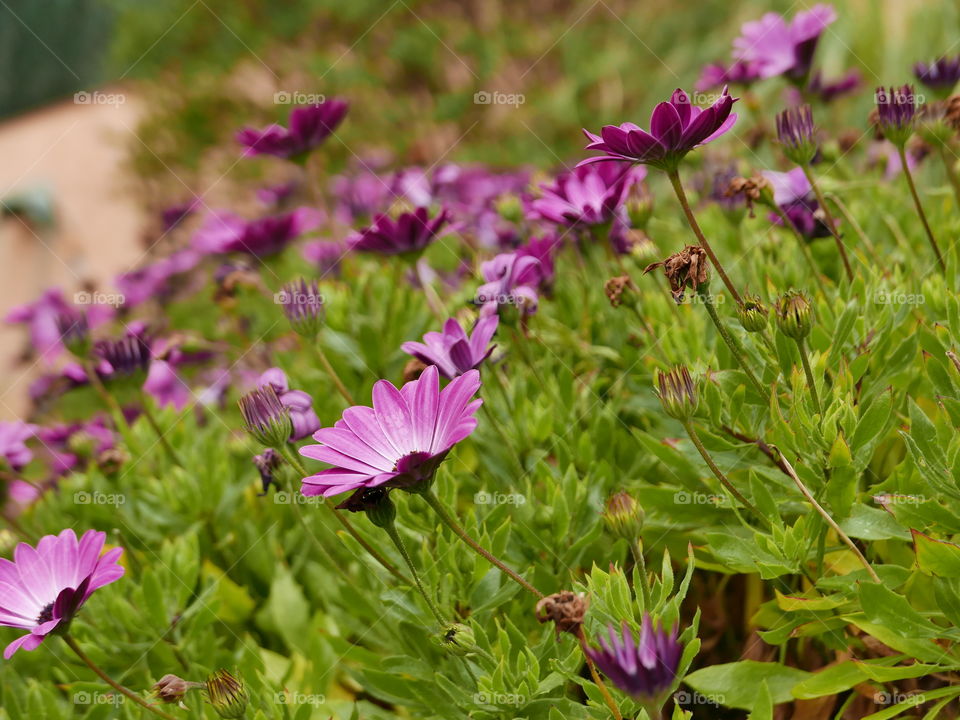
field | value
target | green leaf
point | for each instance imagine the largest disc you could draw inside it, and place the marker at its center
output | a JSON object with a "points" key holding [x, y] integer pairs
{"points": [[735, 684], [936, 557]]}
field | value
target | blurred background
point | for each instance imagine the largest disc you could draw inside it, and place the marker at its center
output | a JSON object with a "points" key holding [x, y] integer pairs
{"points": [[112, 110]]}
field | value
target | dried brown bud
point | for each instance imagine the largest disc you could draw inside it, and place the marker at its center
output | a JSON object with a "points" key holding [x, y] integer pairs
{"points": [[952, 112], [615, 288], [687, 268], [848, 140], [413, 369], [565, 609], [756, 189]]}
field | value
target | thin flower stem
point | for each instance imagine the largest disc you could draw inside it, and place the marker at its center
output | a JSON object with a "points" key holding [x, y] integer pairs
{"points": [[72, 644], [808, 372], [695, 226], [152, 421], [434, 502], [391, 529], [735, 349], [598, 681], [109, 400], [916, 201], [433, 300], [636, 548], [826, 516], [515, 456], [821, 200], [519, 342], [337, 382], [695, 438], [291, 458], [808, 256], [951, 172]]}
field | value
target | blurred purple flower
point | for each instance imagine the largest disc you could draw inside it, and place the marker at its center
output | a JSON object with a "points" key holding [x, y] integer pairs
{"points": [[409, 233], [771, 46], [152, 281], [829, 90], [400, 441], [67, 443], [676, 128], [13, 449], [511, 279], [543, 249], [175, 214], [299, 403], [587, 195], [940, 75], [164, 385], [896, 110], [45, 315], [452, 351], [309, 127], [277, 196], [325, 255], [43, 588], [716, 75], [360, 195], [793, 193], [225, 232]]}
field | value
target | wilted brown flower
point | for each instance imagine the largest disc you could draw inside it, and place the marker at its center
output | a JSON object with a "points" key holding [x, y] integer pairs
{"points": [[756, 189], [615, 288], [687, 268], [565, 609]]}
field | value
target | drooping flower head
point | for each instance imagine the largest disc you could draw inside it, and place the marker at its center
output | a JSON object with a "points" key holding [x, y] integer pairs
{"points": [[896, 110], [409, 234], [298, 403], [676, 128], [302, 305], [793, 193], [14, 452], [771, 46], [588, 195], [400, 441], [452, 351], [224, 232], [44, 587], [688, 268], [797, 134], [308, 128], [941, 75], [511, 281], [645, 670]]}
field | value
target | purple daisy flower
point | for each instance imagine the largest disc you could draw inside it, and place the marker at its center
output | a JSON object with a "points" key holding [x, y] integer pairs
{"points": [[309, 127], [400, 441], [225, 232], [793, 193], [896, 110], [771, 46], [511, 279], [644, 670], [941, 75], [716, 75], [829, 90], [69, 445], [13, 449], [164, 385], [543, 249], [676, 128], [452, 351], [43, 588], [409, 233], [297, 402], [588, 195], [325, 255]]}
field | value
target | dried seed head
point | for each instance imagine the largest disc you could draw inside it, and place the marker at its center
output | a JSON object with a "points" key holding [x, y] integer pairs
{"points": [[616, 287], [687, 268], [756, 189], [678, 393], [565, 610]]}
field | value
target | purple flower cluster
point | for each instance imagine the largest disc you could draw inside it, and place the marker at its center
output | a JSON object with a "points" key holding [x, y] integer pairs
{"points": [[225, 232]]}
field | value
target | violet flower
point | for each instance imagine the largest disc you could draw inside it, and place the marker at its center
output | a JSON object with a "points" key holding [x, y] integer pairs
{"points": [[138, 286], [302, 305], [829, 90], [452, 351], [797, 134], [164, 385], [69, 445], [588, 195], [896, 111], [410, 233], [225, 232], [543, 250], [645, 670], [298, 403], [308, 128], [13, 449], [44, 587], [940, 75], [400, 441], [44, 316], [793, 193], [172, 216], [771, 46], [676, 128], [127, 356], [511, 279], [325, 255], [716, 75]]}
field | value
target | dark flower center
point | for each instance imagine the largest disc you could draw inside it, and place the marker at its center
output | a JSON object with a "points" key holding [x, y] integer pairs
{"points": [[46, 615]]}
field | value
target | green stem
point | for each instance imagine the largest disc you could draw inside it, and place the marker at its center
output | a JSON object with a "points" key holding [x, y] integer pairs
{"points": [[822, 201], [391, 529], [951, 172], [735, 348], [434, 502], [636, 548], [695, 226], [808, 256], [72, 644], [113, 407], [508, 443], [152, 421], [334, 377], [808, 372], [916, 201]]}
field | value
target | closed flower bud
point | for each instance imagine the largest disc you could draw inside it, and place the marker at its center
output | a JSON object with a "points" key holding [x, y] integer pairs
{"points": [[623, 515], [303, 306], [171, 689], [74, 333], [797, 134], [753, 314], [896, 113], [678, 393], [639, 208], [265, 417], [456, 639], [226, 694], [794, 315], [509, 208]]}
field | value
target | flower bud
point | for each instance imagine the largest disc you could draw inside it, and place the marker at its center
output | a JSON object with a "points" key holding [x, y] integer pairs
{"points": [[265, 417], [171, 689], [623, 515], [753, 314], [303, 306], [797, 134], [794, 315], [455, 638], [226, 694], [74, 334], [509, 208], [678, 393]]}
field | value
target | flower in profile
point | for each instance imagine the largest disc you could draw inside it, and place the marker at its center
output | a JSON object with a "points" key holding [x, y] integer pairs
{"points": [[226, 694], [623, 515], [717, 75], [676, 128], [74, 333], [793, 193], [940, 75], [797, 134], [127, 356], [829, 90], [543, 249], [400, 441], [678, 393], [44, 587], [645, 670], [753, 314], [224, 232], [410, 233], [688, 268], [308, 128], [298, 403], [771, 46], [452, 351], [13, 437], [265, 417], [42, 317], [302, 304], [896, 110], [511, 279], [587, 195]]}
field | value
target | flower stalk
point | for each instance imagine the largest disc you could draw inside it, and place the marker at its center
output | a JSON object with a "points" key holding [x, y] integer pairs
{"points": [[919, 206]]}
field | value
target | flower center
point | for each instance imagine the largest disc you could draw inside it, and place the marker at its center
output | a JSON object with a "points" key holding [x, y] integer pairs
{"points": [[46, 615]]}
